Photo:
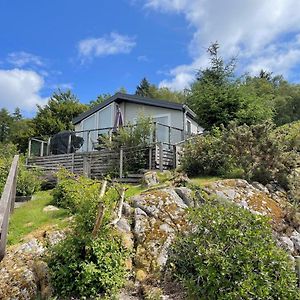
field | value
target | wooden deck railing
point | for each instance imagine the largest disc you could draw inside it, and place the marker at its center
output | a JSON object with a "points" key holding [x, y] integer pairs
{"points": [[7, 203]]}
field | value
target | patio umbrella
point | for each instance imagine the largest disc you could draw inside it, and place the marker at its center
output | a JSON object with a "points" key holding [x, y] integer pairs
{"points": [[118, 120]]}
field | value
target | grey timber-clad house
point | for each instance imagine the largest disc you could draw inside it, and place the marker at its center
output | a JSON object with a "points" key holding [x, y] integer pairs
{"points": [[175, 122]]}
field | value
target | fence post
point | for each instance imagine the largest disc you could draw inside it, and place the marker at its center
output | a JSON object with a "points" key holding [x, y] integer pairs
{"points": [[175, 164], [121, 162], [42, 149], [86, 166], [29, 148], [150, 157], [48, 146], [69, 143], [169, 136], [73, 160], [154, 132], [161, 156]]}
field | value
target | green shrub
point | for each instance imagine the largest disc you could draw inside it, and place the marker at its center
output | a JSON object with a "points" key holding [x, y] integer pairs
{"points": [[28, 181], [231, 254], [253, 152], [133, 138], [85, 268], [72, 190], [204, 155]]}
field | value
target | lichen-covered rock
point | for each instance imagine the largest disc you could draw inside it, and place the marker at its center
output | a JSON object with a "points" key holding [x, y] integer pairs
{"points": [[150, 178], [159, 214], [23, 274], [295, 237], [186, 195], [287, 244]]}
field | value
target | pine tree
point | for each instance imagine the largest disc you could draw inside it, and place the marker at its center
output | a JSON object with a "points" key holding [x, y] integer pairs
{"points": [[144, 89]]}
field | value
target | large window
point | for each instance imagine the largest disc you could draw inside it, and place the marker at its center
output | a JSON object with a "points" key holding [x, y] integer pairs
{"points": [[162, 132]]}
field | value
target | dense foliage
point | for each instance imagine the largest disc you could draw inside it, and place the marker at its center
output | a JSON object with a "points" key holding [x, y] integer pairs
{"points": [[231, 254], [133, 138], [218, 96], [28, 181], [252, 152], [84, 265], [58, 114]]}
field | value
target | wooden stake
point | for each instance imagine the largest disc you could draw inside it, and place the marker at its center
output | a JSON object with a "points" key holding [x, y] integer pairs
{"points": [[101, 210]]}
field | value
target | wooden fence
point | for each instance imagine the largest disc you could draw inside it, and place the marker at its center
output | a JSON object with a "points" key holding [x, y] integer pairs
{"points": [[97, 164], [7, 203]]}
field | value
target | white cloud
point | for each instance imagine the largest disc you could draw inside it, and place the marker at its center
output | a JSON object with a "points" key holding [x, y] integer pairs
{"points": [[252, 29], [108, 45], [20, 88], [21, 59]]}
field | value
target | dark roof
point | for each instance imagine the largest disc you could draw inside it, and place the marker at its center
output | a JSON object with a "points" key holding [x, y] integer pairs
{"points": [[120, 97]]}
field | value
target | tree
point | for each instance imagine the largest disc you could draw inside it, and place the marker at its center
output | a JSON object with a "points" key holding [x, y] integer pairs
{"points": [[6, 121], [214, 95], [101, 98], [144, 89], [58, 114]]}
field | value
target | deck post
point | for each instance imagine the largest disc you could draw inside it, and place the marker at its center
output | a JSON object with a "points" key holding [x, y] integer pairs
{"points": [[154, 132], [48, 146], [121, 162], [175, 163], [150, 157], [86, 166], [169, 136], [161, 156], [69, 143], [29, 148], [42, 149]]}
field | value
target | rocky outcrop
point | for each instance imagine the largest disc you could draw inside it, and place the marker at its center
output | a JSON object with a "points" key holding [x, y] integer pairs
{"points": [[23, 273], [270, 201]]}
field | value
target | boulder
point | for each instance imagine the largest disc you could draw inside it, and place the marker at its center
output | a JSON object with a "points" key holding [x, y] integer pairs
{"points": [[287, 244], [295, 237], [50, 208], [185, 194], [150, 178]]}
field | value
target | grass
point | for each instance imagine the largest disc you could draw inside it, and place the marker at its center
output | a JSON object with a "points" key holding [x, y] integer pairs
{"points": [[205, 180], [30, 217]]}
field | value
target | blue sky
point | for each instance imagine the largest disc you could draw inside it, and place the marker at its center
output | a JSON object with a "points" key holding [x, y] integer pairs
{"points": [[96, 47]]}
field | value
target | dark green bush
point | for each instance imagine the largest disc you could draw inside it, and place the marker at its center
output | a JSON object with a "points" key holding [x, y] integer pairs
{"points": [[84, 266], [88, 268], [231, 254], [204, 155], [251, 152], [28, 181]]}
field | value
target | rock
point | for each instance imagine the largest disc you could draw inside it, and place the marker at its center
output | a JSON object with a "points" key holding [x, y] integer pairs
{"points": [[260, 187], [295, 237], [49, 181], [54, 237], [185, 194], [123, 225], [34, 247], [127, 210], [50, 208], [287, 244], [150, 178]]}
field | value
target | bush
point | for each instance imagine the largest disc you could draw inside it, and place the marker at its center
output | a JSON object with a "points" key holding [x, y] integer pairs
{"points": [[83, 267], [28, 181], [230, 254], [203, 155], [250, 152], [134, 138]]}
